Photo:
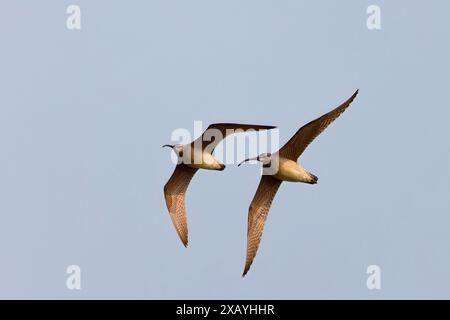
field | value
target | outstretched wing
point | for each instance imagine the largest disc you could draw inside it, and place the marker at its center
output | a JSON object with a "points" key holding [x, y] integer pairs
{"points": [[257, 214], [174, 192], [215, 133], [306, 134]]}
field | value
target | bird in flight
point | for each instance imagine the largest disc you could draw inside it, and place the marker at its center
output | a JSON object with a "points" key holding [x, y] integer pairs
{"points": [[194, 156], [282, 166]]}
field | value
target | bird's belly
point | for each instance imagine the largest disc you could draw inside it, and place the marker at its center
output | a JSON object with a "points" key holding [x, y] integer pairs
{"points": [[288, 176], [203, 161], [289, 170]]}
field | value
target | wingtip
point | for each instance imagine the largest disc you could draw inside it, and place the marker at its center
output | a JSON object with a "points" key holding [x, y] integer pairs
{"points": [[350, 100], [245, 271], [184, 240]]}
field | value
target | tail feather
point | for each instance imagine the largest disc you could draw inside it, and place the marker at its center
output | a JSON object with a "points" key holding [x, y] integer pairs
{"points": [[313, 177]]}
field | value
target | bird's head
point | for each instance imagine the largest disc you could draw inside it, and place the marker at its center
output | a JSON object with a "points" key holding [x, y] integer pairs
{"points": [[264, 158], [177, 148]]}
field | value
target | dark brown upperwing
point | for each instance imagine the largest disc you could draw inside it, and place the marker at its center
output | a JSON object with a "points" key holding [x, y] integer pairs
{"points": [[306, 134], [216, 132]]}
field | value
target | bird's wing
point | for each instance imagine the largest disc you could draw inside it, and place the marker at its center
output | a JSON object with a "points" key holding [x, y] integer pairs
{"points": [[215, 133], [257, 214], [306, 134], [174, 192]]}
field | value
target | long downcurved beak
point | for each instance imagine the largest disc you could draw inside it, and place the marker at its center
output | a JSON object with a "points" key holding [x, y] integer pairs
{"points": [[249, 159], [168, 145]]}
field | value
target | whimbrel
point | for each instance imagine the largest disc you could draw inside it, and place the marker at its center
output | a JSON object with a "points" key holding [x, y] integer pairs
{"points": [[191, 157], [285, 160]]}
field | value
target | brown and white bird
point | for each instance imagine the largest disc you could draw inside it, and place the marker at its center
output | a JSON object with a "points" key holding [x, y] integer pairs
{"points": [[282, 166], [194, 156]]}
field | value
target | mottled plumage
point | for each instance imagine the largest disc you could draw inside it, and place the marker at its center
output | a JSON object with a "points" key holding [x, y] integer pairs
{"points": [[203, 147], [288, 170]]}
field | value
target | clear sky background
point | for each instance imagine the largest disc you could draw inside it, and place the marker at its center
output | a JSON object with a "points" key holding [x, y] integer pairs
{"points": [[83, 115]]}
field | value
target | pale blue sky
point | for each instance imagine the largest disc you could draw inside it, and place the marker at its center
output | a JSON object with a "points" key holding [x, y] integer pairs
{"points": [[83, 115]]}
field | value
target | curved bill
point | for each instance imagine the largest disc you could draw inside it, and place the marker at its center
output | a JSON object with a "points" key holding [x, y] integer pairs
{"points": [[249, 159], [168, 145]]}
